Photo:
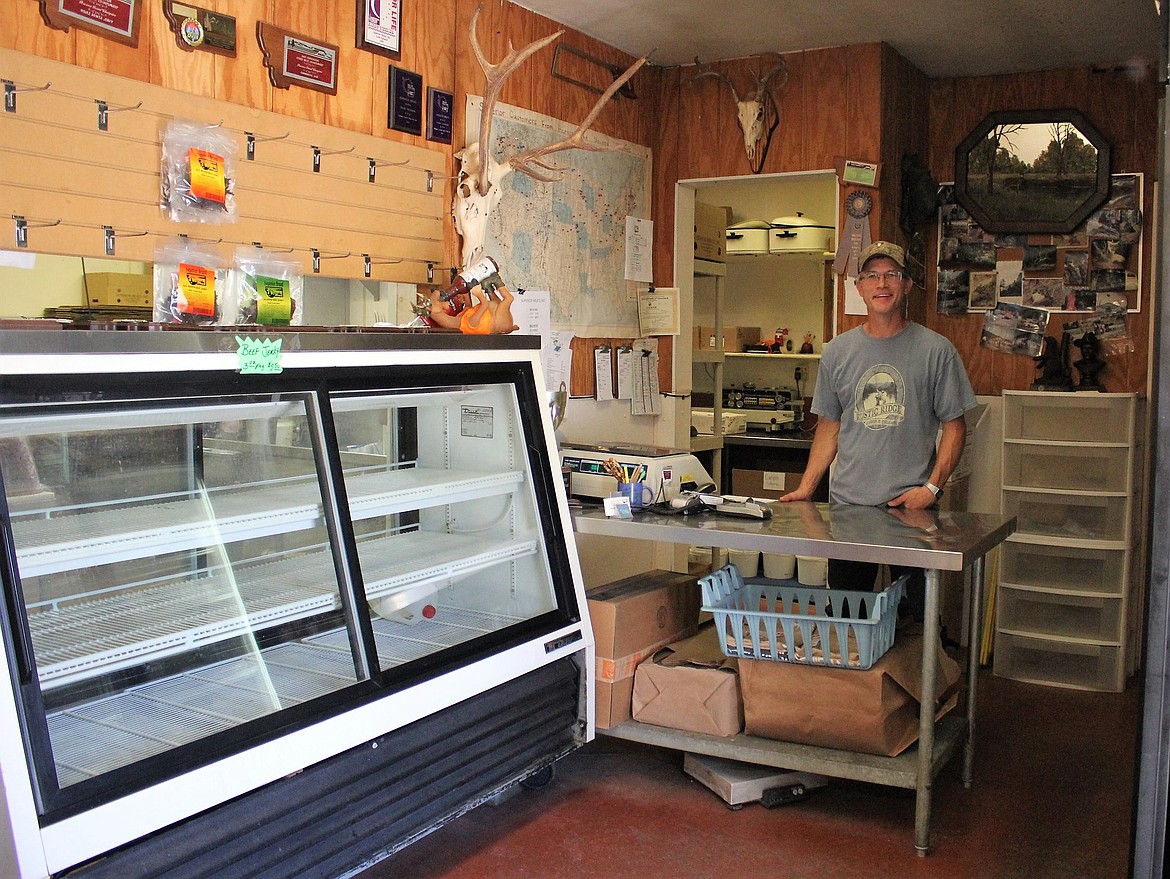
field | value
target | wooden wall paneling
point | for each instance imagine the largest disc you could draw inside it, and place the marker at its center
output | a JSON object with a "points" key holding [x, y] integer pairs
{"points": [[824, 127], [98, 53], [666, 149], [469, 79], [789, 144], [191, 71], [243, 80], [711, 142], [24, 29], [113, 178], [352, 108], [308, 20]]}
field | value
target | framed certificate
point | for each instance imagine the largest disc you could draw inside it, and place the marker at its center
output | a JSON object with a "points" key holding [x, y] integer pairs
{"points": [[117, 19], [294, 59], [379, 27]]}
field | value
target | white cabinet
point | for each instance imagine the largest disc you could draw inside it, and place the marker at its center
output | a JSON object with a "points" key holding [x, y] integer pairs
{"points": [[1066, 605]]}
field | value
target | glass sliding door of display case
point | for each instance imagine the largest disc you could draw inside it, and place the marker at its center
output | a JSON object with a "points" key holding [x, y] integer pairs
{"points": [[174, 567], [454, 551], [179, 571]]}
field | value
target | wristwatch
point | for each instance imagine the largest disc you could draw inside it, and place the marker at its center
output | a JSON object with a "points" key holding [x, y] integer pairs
{"points": [[933, 489]]}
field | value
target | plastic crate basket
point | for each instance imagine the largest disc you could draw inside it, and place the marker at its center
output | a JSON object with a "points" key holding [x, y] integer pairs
{"points": [[786, 622]]}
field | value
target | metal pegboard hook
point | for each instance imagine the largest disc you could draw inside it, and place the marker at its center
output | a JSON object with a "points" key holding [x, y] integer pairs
{"points": [[317, 258], [375, 164], [367, 263], [318, 153], [11, 90], [111, 236], [22, 227], [260, 246], [104, 111], [253, 140]]}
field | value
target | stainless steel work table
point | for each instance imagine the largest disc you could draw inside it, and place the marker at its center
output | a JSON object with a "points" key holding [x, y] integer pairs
{"points": [[934, 541]]}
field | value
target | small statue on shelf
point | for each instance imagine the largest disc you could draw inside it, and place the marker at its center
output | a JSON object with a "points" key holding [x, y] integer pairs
{"points": [[807, 347], [777, 346], [1090, 364], [1053, 365]]}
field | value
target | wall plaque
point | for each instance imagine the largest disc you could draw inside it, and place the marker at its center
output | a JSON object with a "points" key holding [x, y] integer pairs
{"points": [[405, 112], [293, 59], [117, 19], [379, 27], [440, 107], [198, 28]]}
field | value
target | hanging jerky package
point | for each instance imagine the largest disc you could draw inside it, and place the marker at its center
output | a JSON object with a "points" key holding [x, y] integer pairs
{"points": [[198, 173], [190, 282], [267, 288]]}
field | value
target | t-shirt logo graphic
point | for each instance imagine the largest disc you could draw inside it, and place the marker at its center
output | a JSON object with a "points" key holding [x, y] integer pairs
{"points": [[880, 398]]}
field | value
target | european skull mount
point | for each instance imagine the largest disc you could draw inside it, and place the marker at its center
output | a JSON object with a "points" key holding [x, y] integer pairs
{"points": [[478, 189], [757, 111]]}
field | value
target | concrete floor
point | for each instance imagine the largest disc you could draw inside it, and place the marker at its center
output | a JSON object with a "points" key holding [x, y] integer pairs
{"points": [[1052, 799]]}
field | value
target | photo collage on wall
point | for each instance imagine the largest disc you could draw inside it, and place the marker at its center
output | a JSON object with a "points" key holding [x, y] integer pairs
{"points": [[1096, 265]]}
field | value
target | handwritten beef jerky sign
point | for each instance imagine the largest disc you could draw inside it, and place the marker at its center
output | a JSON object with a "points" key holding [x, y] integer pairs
{"points": [[116, 19], [294, 59]]}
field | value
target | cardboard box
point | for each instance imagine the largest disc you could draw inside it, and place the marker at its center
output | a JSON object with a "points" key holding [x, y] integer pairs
{"points": [[119, 288], [632, 619], [710, 232], [874, 711], [690, 685], [703, 421], [763, 483], [734, 338]]}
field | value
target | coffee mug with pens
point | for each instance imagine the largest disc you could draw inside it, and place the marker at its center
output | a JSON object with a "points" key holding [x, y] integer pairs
{"points": [[630, 484]]}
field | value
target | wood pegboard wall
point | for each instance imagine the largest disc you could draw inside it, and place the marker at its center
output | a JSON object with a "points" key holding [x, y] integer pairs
{"points": [[69, 180]]}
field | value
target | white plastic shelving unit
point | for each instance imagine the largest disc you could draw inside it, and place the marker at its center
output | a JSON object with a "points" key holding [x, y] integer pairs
{"points": [[1066, 609]]}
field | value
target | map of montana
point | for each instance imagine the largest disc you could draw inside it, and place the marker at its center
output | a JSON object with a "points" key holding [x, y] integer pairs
{"points": [[568, 236]]}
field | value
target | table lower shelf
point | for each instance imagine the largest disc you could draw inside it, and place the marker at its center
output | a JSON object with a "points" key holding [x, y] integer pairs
{"points": [[900, 771]]}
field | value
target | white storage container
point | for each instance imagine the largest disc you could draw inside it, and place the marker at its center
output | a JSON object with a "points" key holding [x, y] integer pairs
{"points": [[750, 237], [799, 234]]}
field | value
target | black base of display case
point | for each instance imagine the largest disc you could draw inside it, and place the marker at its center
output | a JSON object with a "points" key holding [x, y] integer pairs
{"points": [[366, 803]]}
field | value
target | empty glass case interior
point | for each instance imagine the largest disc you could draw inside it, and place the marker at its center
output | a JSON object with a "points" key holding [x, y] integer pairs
{"points": [[189, 567]]}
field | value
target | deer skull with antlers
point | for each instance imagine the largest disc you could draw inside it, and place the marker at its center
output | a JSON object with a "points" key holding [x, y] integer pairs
{"points": [[758, 113], [479, 186]]}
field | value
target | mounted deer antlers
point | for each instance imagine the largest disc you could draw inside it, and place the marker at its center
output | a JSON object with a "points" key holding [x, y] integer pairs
{"points": [[758, 113], [478, 190]]}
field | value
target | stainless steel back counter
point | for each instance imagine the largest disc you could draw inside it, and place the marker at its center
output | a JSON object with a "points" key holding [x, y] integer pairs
{"points": [[924, 539], [951, 541]]}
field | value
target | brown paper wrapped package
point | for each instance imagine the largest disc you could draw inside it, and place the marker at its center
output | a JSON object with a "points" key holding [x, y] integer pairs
{"points": [[874, 711], [690, 685]]}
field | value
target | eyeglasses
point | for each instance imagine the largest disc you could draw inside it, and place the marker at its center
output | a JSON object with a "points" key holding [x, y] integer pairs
{"points": [[890, 277]]}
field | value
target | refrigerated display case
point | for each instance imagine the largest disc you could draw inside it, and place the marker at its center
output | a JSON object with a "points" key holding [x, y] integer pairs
{"points": [[275, 615]]}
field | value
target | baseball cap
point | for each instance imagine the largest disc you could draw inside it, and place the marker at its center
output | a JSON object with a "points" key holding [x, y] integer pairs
{"points": [[882, 248]]}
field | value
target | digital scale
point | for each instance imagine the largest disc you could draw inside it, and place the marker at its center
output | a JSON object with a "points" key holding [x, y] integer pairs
{"points": [[672, 470]]}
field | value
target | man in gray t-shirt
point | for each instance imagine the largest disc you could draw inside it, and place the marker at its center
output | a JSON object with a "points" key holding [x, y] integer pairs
{"points": [[883, 390]]}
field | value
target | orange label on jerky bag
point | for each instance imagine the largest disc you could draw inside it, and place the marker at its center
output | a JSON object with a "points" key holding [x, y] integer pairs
{"points": [[208, 179], [197, 284]]}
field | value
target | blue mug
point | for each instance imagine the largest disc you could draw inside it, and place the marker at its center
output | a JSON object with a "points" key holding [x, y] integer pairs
{"points": [[638, 493]]}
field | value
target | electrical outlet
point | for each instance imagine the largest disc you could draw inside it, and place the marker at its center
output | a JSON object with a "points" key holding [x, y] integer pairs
{"points": [[798, 374]]}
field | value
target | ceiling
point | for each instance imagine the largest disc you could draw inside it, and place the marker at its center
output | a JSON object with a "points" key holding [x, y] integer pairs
{"points": [[942, 39]]}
